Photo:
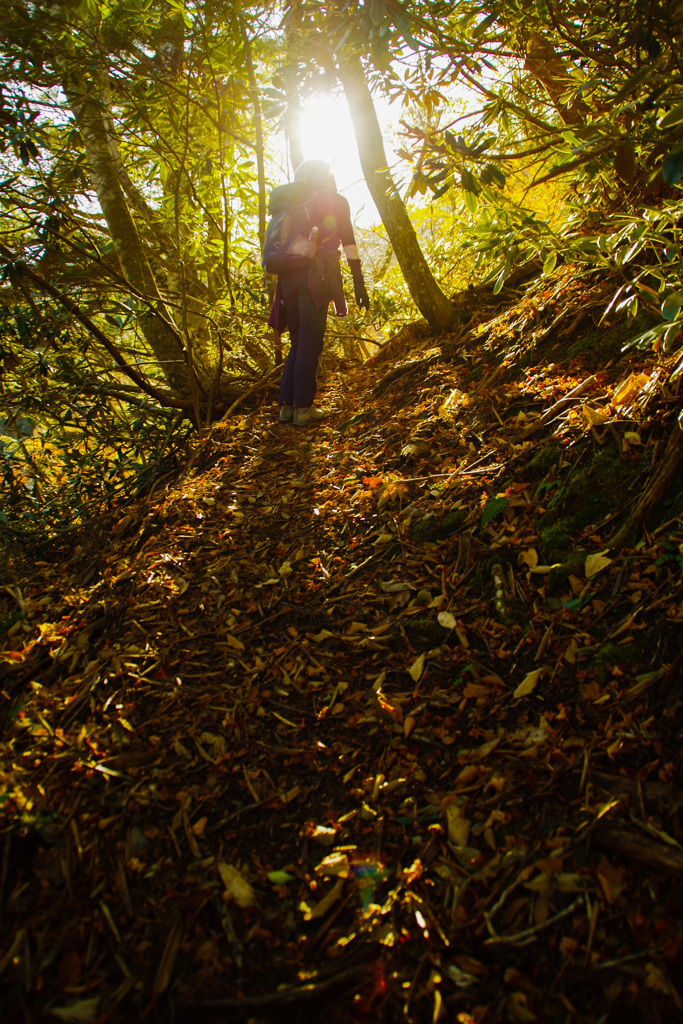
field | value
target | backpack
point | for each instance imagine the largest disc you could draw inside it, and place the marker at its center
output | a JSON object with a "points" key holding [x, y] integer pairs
{"points": [[291, 240]]}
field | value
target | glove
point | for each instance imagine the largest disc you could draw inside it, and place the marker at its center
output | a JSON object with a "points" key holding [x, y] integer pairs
{"points": [[361, 296], [360, 292]]}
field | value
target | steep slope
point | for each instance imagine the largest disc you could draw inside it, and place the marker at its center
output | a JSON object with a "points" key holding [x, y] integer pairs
{"points": [[365, 722]]}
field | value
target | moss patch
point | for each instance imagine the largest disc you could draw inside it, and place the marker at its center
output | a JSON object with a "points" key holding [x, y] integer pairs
{"points": [[611, 655], [597, 347], [590, 494], [544, 460], [433, 529]]}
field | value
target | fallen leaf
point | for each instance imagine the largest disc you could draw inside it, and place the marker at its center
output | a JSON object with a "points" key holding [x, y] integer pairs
{"points": [[528, 684], [596, 563], [416, 669], [236, 887], [595, 417], [529, 557], [82, 1010], [458, 826], [335, 865], [321, 908], [280, 877]]}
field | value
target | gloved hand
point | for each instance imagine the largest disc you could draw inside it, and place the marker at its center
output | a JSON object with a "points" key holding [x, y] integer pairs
{"points": [[361, 296], [360, 292]]}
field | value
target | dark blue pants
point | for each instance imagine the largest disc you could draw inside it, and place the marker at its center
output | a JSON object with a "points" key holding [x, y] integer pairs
{"points": [[306, 323]]}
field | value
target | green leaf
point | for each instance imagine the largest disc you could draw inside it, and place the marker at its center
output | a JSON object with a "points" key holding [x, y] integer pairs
{"points": [[674, 117], [500, 281], [471, 202], [549, 263], [672, 305], [672, 169], [493, 508], [280, 877], [492, 175], [470, 183]]}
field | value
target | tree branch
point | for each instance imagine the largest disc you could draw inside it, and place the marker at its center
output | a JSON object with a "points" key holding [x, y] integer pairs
{"points": [[165, 398]]}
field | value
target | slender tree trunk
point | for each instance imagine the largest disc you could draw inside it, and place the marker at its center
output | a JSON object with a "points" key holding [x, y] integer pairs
{"points": [[258, 132], [435, 307], [548, 68], [291, 87], [666, 478], [156, 324]]}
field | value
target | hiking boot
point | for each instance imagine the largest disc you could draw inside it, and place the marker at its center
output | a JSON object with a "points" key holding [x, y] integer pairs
{"points": [[286, 413], [302, 417]]}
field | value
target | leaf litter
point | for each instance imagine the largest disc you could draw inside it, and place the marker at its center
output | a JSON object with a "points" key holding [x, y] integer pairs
{"points": [[325, 723]]}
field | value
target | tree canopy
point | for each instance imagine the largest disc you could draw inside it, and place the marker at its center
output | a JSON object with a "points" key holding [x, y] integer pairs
{"points": [[139, 141]]}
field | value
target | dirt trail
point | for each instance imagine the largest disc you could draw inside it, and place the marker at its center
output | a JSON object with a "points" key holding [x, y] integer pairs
{"points": [[311, 734]]}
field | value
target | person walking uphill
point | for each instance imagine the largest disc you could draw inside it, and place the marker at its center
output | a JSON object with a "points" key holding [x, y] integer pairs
{"points": [[309, 220]]}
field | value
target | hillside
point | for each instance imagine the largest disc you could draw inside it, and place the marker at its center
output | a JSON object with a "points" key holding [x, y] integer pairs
{"points": [[370, 722]]}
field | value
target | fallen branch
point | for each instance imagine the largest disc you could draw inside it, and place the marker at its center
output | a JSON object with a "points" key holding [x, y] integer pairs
{"points": [[246, 394], [285, 995], [631, 844], [529, 934], [585, 385]]}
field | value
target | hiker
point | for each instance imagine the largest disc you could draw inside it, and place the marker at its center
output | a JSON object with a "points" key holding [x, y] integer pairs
{"points": [[308, 221]]}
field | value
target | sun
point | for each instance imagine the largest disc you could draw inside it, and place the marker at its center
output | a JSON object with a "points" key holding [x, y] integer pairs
{"points": [[327, 134]]}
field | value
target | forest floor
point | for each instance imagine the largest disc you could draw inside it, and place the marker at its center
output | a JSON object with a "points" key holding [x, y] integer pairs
{"points": [[363, 722]]}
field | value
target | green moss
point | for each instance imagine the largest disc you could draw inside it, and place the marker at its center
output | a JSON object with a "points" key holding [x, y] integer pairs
{"points": [[425, 633], [433, 529], [599, 346], [556, 541], [559, 574], [544, 460], [591, 493], [613, 654]]}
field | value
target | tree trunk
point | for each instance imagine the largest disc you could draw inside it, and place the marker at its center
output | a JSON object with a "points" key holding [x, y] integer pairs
{"points": [[155, 324], [293, 44], [548, 68], [666, 477], [258, 133], [435, 307]]}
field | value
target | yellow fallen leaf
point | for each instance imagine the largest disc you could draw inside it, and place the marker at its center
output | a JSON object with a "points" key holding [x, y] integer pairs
{"points": [[311, 913], [528, 684], [529, 557], [324, 634], [458, 826], [416, 669], [236, 887], [629, 388], [595, 417], [335, 865], [596, 563], [234, 642]]}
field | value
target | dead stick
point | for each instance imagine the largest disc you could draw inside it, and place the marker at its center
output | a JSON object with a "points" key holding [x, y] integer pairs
{"points": [[246, 394], [548, 415], [522, 938]]}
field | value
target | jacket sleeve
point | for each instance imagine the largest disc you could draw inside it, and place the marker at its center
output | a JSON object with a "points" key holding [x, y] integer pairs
{"points": [[345, 229]]}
